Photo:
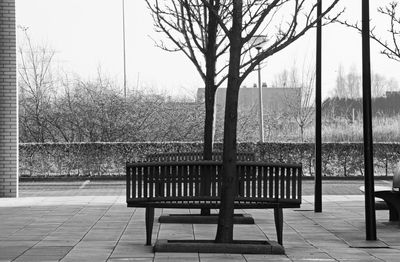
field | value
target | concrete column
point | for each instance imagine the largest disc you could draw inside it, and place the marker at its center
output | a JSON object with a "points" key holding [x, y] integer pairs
{"points": [[8, 101]]}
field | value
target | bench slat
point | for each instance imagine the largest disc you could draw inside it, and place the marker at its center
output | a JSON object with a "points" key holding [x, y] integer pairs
{"points": [[294, 174], [213, 191], [128, 182], [174, 177], [192, 181], [180, 180], [253, 181], [287, 182], [196, 180], [276, 177], [259, 181], [186, 181], [145, 180], [282, 182]]}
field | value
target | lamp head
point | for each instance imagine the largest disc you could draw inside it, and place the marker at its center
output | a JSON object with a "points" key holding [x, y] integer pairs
{"points": [[258, 41]]}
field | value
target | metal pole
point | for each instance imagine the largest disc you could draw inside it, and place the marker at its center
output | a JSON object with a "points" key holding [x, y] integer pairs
{"points": [[318, 123], [260, 102], [370, 219], [123, 43]]}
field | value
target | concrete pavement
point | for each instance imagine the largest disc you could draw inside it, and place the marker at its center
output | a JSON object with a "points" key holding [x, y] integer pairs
{"points": [[80, 227]]}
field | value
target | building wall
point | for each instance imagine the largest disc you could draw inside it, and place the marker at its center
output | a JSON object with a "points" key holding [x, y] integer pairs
{"points": [[274, 99], [8, 101]]}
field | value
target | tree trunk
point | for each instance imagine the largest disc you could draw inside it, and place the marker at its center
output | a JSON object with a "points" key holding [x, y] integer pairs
{"points": [[302, 133], [228, 189], [210, 90], [208, 141], [209, 124]]}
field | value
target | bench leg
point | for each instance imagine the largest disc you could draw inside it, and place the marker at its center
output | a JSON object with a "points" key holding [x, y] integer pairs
{"points": [[393, 203], [393, 211], [278, 214], [393, 216], [149, 224]]}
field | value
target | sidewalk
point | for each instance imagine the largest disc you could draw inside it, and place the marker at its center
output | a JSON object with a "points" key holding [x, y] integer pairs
{"points": [[80, 227]]}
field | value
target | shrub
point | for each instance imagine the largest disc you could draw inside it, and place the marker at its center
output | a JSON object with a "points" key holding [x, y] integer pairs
{"points": [[92, 159]]}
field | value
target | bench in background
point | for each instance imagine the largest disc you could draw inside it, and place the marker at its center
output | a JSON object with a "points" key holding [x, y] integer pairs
{"points": [[390, 197], [208, 217], [194, 156]]}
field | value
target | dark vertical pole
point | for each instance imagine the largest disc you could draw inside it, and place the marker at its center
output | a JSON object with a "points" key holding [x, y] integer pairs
{"points": [[123, 45], [318, 135], [260, 101], [370, 221]]}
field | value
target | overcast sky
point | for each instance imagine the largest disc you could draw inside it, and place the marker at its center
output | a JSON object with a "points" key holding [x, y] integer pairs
{"points": [[87, 34]]}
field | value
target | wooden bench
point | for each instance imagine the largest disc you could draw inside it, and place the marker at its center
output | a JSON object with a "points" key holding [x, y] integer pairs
{"points": [[194, 156], [178, 185], [390, 197]]}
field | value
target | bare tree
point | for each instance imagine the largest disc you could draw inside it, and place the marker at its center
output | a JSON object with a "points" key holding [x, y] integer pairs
{"points": [[285, 22], [193, 30], [348, 84], [301, 102], [36, 85], [353, 83], [340, 88], [380, 84], [391, 43], [287, 78]]}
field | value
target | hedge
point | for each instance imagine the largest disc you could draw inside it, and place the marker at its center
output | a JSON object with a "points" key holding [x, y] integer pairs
{"points": [[94, 159]]}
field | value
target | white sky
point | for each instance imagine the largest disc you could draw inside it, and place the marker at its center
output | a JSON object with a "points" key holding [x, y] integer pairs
{"points": [[87, 34]]}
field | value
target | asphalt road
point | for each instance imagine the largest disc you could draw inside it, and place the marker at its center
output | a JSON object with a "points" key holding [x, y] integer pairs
{"points": [[108, 188]]}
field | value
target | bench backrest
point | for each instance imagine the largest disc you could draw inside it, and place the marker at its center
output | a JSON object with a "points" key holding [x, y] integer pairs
{"points": [[193, 156], [175, 180]]}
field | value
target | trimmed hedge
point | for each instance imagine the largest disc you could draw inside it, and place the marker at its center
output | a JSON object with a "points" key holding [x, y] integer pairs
{"points": [[94, 159]]}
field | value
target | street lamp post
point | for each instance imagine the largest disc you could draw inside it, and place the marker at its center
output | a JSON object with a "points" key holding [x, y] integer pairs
{"points": [[370, 216], [260, 100], [318, 123], [258, 41], [123, 45]]}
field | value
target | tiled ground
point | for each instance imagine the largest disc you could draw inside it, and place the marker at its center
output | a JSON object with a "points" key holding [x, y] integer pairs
{"points": [[81, 227]]}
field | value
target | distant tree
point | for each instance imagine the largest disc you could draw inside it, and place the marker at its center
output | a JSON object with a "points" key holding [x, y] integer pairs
{"points": [[347, 84], [393, 85], [353, 83], [380, 84], [301, 107], [287, 78], [340, 88], [36, 88]]}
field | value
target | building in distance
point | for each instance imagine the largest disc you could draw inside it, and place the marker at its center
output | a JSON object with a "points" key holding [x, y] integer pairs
{"points": [[282, 100]]}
